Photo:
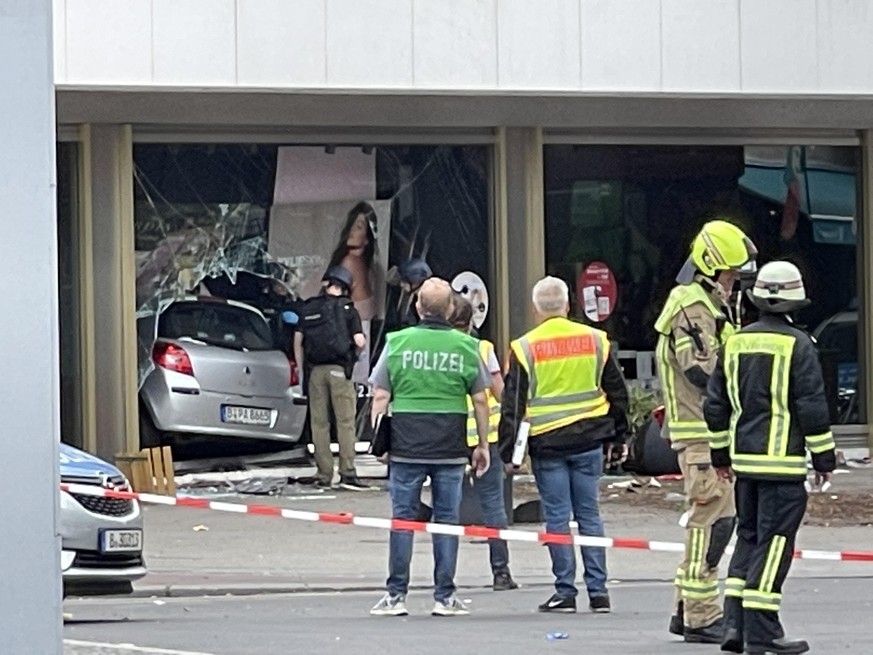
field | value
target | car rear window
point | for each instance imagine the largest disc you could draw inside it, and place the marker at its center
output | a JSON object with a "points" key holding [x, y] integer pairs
{"points": [[217, 324]]}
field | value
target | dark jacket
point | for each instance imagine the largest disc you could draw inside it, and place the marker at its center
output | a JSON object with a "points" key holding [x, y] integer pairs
{"points": [[411, 317], [430, 437], [573, 439], [757, 381], [342, 309]]}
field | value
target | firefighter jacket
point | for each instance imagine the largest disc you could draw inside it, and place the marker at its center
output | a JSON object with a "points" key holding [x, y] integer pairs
{"points": [[691, 328], [485, 350], [766, 404], [563, 378]]}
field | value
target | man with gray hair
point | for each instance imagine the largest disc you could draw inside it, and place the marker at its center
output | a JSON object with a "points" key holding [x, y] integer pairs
{"points": [[566, 384], [426, 372]]}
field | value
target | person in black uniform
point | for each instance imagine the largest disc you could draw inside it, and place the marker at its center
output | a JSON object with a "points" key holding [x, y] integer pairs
{"points": [[412, 275], [766, 407], [329, 338]]}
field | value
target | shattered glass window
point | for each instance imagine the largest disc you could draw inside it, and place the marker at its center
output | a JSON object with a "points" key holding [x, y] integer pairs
{"points": [[210, 220]]}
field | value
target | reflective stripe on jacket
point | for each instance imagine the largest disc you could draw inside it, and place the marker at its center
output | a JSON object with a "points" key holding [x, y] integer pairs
{"points": [[485, 350], [767, 402], [688, 306], [564, 362]]}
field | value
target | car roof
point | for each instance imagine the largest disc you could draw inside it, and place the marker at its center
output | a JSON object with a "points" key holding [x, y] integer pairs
{"points": [[214, 300]]}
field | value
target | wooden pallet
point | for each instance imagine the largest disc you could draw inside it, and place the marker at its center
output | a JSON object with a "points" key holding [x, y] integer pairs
{"points": [[150, 470]]}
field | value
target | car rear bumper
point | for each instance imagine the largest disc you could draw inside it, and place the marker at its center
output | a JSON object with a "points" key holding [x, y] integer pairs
{"points": [[199, 412]]}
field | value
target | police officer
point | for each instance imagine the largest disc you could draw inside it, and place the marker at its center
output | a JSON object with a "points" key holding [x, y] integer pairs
{"points": [[427, 372], [412, 275], [489, 487], [564, 378], [329, 337], [691, 327], [765, 407]]}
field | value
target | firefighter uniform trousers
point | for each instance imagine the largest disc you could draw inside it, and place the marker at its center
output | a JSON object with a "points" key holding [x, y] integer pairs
{"points": [[770, 514], [711, 519]]}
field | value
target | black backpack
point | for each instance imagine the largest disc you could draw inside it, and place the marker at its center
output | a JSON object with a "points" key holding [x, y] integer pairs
{"points": [[326, 338]]}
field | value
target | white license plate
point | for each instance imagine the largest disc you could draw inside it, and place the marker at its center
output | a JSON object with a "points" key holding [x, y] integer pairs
{"points": [[120, 541], [246, 415]]}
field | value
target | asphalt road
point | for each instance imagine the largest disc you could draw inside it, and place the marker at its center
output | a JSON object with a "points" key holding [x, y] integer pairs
{"points": [[832, 613]]}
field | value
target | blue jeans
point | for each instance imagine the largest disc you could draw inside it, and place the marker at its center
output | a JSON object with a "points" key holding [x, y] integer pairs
{"points": [[404, 484], [489, 490], [569, 485]]}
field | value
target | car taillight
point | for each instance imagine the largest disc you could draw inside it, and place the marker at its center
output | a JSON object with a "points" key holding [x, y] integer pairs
{"points": [[172, 358], [295, 377]]}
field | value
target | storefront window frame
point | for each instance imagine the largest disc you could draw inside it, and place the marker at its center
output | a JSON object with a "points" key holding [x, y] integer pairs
{"points": [[855, 433]]}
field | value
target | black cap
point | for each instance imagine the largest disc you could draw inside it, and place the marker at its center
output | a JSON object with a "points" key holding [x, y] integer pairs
{"points": [[415, 272], [339, 275]]}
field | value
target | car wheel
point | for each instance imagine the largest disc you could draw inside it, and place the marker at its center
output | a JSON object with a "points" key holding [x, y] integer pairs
{"points": [[149, 435]]}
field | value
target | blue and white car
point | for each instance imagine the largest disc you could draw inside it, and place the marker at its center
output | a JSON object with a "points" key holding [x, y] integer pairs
{"points": [[101, 538]]}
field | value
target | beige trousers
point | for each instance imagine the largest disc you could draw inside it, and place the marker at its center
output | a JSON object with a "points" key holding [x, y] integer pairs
{"points": [[329, 387], [712, 509]]}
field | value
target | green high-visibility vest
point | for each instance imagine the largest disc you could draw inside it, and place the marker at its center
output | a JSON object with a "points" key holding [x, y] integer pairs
{"points": [[431, 370]]}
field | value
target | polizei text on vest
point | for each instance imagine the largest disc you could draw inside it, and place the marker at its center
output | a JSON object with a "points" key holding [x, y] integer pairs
{"points": [[433, 361]]}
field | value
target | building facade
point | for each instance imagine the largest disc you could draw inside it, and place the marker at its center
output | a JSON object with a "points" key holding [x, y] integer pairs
{"points": [[505, 138]]}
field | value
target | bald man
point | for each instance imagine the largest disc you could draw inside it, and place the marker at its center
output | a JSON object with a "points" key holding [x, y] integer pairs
{"points": [[426, 372]]}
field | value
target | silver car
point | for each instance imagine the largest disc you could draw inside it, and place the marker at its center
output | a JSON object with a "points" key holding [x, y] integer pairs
{"points": [[217, 372], [101, 538]]}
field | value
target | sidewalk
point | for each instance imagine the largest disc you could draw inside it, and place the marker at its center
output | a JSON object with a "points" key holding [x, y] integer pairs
{"points": [[248, 554]]}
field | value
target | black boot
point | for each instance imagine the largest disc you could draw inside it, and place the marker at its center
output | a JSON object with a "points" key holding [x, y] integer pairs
{"points": [[733, 625], [708, 634], [503, 582], [732, 642], [778, 647], [677, 621]]}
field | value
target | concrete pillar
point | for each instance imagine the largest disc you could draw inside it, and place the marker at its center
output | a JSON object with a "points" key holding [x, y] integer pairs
{"points": [[865, 282], [30, 596], [498, 240], [525, 221], [109, 157]]}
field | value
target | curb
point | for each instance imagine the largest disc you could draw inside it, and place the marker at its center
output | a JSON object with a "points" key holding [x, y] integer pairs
{"points": [[191, 591], [182, 591]]}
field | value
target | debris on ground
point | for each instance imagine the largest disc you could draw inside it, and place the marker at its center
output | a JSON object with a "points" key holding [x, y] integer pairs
{"points": [[265, 485], [843, 508], [261, 486], [635, 483], [200, 528], [553, 636]]}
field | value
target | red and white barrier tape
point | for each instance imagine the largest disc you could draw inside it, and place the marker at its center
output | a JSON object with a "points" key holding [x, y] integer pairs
{"points": [[433, 528]]}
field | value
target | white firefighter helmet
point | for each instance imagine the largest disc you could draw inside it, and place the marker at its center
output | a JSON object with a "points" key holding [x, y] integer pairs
{"points": [[473, 288], [779, 288]]}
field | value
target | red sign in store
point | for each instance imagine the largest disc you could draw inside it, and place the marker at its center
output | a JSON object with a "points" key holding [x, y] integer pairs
{"points": [[597, 291]]}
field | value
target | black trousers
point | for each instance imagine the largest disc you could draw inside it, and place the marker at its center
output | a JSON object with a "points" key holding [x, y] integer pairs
{"points": [[769, 514]]}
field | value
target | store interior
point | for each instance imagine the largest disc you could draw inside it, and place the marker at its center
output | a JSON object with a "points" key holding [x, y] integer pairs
{"points": [[635, 210]]}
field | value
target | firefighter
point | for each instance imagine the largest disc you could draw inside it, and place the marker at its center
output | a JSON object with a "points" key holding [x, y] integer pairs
{"points": [[691, 327], [765, 407]]}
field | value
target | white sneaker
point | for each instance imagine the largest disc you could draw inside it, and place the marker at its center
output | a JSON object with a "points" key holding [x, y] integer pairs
{"points": [[390, 606], [451, 606]]}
